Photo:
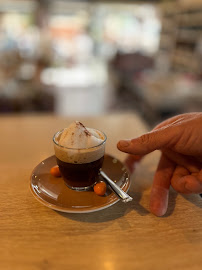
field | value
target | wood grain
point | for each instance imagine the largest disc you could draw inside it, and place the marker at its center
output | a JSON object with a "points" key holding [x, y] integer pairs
{"points": [[124, 236]]}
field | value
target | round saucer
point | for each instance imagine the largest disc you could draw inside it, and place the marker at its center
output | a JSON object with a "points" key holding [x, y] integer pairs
{"points": [[53, 192]]}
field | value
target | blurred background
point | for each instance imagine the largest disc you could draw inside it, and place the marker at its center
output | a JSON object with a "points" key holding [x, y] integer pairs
{"points": [[87, 58]]}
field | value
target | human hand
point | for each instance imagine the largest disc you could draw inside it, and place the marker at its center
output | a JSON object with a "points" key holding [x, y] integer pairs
{"points": [[180, 141]]}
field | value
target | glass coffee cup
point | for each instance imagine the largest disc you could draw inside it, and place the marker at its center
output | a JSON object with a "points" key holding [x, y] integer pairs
{"points": [[80, 167]]}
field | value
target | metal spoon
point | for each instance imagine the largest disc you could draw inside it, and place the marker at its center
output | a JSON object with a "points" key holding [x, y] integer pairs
{"points": [[117, 190]]}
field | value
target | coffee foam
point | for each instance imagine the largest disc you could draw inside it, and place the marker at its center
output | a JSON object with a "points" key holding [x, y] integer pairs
{"points": [[78, 144], [78, 136]]}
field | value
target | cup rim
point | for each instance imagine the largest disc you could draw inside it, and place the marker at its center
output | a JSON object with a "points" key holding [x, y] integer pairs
{"points": [[71, 148]]}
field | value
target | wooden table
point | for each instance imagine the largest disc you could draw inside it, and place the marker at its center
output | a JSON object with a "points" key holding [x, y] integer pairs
{"points": [[123, 236]]}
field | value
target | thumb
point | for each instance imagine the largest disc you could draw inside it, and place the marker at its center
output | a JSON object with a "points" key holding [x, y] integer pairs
{"points": [[148, 142]]}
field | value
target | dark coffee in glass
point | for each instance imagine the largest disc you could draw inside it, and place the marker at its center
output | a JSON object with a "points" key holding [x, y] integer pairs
{"points": [[79, 167], [80, 175]]}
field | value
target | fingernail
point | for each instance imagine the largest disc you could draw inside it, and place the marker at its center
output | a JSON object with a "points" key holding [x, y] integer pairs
{"points": [[124, 143]]}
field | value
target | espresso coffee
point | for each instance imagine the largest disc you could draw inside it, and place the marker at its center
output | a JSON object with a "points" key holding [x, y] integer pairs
{"points": [[80, 153], [80, 175]]}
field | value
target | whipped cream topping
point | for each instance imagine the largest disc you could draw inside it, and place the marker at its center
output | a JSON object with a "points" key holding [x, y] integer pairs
{"points": [[78, 144], [78, 136]]}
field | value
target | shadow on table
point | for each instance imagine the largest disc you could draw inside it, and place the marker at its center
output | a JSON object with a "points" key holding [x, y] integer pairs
{"points": [[120, 209], [143, 211], [195, 199], [111, 213], [192, 198]]}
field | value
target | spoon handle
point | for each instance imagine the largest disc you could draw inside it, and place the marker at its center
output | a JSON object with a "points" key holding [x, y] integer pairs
{"points": [[117, 190]]}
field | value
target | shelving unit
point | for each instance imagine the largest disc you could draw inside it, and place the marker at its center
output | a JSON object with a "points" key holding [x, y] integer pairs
{"points": [[181, 35], [174, 86]]}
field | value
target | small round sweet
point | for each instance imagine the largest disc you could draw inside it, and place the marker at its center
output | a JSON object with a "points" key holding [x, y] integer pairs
{"points": [[55, 171], [100, 188]]}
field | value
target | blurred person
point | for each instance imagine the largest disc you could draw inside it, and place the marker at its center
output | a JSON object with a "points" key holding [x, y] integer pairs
{"points": [[180, 141]]}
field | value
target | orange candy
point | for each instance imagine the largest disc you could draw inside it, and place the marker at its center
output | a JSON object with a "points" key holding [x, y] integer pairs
{"points": [[100, 188], [55, 171]]}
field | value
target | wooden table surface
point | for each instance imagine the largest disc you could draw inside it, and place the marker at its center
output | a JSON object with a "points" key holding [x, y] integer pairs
{"points": [[123, 236]]}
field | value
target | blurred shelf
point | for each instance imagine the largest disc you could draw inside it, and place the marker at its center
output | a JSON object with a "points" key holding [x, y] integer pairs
{"points": [[181, 34], [189, 6], [189, 35], [166, 42], [190, 19]]}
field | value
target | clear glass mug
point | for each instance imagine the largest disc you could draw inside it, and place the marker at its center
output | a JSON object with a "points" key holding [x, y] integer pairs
{"points": [[79, 167]]}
